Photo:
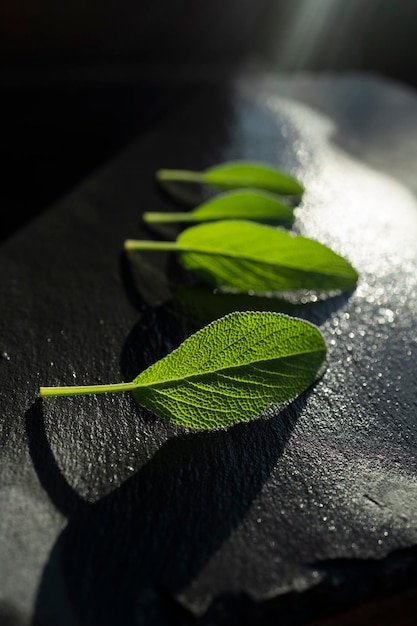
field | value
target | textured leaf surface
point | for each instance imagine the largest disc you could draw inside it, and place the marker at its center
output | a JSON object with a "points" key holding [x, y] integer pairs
{"points": [[229, 371], [249, 204], [242, 204], [237, 174], [247, 256]]}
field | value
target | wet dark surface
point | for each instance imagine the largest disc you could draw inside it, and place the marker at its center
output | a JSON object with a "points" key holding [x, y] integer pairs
{"points": [[112, 515]]}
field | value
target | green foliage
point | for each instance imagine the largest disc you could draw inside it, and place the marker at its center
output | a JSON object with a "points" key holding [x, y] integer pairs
{"points": [[227, 372], [235, 175], [247, 256], [260, 206], [232, 369]]}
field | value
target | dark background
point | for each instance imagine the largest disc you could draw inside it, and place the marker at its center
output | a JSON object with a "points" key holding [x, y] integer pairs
{"points": [[78, 80]]}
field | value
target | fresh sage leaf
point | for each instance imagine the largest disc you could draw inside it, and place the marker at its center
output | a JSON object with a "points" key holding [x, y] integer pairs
{"points": [[237, 174], [228, 372], [250, 257], [260, 206]]}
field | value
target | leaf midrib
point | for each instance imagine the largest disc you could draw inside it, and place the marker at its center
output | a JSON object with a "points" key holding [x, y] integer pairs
{"points": [[221, 369], [230, 254]]}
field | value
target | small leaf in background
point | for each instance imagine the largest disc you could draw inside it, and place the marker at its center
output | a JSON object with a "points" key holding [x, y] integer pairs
{"points": [[228, 372], [251, 257], [254, 205], [236, 175]]}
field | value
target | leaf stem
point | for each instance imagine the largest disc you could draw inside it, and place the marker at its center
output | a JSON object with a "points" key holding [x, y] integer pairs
{"points": [[185, 176], [147, 244], [152, 218], [85, 389]]}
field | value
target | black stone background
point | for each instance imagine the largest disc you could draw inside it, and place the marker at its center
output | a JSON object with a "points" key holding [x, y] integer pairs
{"points": [[111, 515]]}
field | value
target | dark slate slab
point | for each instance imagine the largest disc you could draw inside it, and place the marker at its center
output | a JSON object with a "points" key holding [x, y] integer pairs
{"points": [[109, 515]]}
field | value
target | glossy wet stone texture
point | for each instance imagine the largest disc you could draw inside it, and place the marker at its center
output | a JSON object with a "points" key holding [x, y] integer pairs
{"points": [[112, 515]]}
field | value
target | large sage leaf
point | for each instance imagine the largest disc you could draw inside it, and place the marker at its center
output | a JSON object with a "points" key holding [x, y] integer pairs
{"points": [[226, 373], [260, 206], [235, 175], [246, 256], [229, 371]]}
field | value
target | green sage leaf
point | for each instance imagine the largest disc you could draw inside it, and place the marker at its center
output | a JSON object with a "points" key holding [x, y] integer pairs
{"points": [[250, 257], [254, 205], [226, 373], [237, 174], [232, 369]]}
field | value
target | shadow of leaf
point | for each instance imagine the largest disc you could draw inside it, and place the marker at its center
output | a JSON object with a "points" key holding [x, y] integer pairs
{"points": [[129, 553]]}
